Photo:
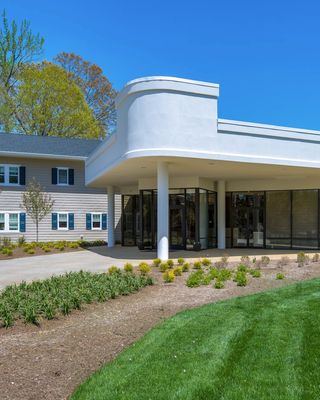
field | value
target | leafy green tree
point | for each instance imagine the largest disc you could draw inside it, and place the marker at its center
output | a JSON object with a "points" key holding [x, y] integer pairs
{"points": [[36, 203], [49, 103], [97, 89]]}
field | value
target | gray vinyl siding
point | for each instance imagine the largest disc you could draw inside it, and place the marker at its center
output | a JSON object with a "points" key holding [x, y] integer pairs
{"points": [[77, 199]]}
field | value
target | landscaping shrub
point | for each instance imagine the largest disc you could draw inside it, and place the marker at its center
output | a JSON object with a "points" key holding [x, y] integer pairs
{"points": [[213, 272], [316, 257], [224, 274], [280, 276], [242, 268], [113, 270], [302, 259], [31, 251], [170, 263], [177, 271], [197, 265], [265, 260], [180, 261], [92, 243], [6, 251], [163, 266], [21, 240], [128, 267], [206, 279], [218, 285], [284, 260], [185, 267], [156, 262], [168, 276], [61, 294], [195, 279], [144, 268], [241, 278], [255, 273], [245, 260], [206, 262], [224, 260]]}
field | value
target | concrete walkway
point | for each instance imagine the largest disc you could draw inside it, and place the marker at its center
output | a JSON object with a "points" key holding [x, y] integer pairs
{"points": [[99, 259]]}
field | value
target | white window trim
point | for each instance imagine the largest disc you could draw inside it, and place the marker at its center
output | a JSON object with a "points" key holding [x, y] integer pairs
{"points": [[96, 213], [6, 221], [60, 169], [58, 220], [6, 175]]}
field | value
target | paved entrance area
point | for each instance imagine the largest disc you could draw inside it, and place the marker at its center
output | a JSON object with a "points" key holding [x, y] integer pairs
{"points": [[99, 259]]}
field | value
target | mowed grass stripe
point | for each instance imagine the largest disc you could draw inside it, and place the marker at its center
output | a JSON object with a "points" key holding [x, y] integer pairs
{"points": [[263, 346]]}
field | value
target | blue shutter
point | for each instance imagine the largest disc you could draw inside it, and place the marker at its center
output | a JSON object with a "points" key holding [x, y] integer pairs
{"points": [[71, 221], [88, 222], [54, 221], [22, 227], [22, 175], [54, 176], [104, 222], [71, 176]]}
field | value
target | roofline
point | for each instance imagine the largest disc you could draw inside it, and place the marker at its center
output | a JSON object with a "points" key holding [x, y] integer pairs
{"points": [[41, 155]]}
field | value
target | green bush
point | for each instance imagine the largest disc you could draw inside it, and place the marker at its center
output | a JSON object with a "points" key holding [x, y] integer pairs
{"points": [[144, 268], [241, 278], [218, 284], [113, 270], [170, 263], [242, 268], [177, 271], [31, 251], [206, 279], [21, 241], [58, 295], [197, 265], [206, 262], [265, 260], [156, 262], [6, 251], [213, 272], [168, 276], [195, 279], [46, 249], [185, 267], [224, 274], [255, 273], [280, 276], [128, 267], [180, 261], [92, 243], [163, 266]]}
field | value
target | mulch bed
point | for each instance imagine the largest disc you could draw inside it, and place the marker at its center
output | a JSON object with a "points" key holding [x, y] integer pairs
{"points": [[49, 361], [18, 253]]}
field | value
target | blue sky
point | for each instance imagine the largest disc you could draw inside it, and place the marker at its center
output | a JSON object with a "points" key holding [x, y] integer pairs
{"points": [[264, 54]]}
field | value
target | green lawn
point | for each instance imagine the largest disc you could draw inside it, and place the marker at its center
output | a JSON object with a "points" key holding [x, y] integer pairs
{"points": [[265, 346]]}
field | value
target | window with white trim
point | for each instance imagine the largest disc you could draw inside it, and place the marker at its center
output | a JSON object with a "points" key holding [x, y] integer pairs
{"points": [[9, 221], [63, 221], [96, 221], [9, 174], [62, 176]]}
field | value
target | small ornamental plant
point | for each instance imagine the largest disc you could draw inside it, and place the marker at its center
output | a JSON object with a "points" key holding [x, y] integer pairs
{"points": [[241, 278], [245, 260], [280, 276], [195, 279], [144, 268], [302, 259], [177, 271], [168, 276], [206, 279], [156, 262], [213, 272], [197, 265], [316, 257], [284, 260], [163, 266], [224, 260], [218, 284], [255, 273], [170, 263], [265, 260], [206, 262], [185, 267], [128, 267], [224, 274], [180, 261], [242, 268], [113, 270]]}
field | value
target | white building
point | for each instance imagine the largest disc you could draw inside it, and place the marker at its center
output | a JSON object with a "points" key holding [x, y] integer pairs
{"points": [[191, 180]]}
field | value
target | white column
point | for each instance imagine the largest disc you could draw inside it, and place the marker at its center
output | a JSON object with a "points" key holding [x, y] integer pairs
{"points": [[110, 216], [221, 214], [163, 211]]}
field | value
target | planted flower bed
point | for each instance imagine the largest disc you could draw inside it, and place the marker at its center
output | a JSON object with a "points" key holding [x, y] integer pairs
{"points": [[59, 295]]}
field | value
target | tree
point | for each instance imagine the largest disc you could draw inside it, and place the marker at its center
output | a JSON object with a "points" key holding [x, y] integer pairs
{"points": [[18, 46], [36, 203], [97, 89], [48, 102]]}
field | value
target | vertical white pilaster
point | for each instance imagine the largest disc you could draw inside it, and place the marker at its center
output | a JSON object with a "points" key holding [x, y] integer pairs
{"points": [[221, 214], [163, 211], [110, 216]]}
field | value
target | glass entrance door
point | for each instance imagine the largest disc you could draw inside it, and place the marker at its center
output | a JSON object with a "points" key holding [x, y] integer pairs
{"points": [[176, 220], [248, 219]]}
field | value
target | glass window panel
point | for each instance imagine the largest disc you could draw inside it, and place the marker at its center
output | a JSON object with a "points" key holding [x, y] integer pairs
{"points": [[228, 219], [305, 218], [63, 176], [129, 220], [278, 219], [96, 221], [190, 218], [13, 222], [212, 218], [147, 218], [203, 218], [1, 174], [13, 175], [2, 222], [63, 221]]}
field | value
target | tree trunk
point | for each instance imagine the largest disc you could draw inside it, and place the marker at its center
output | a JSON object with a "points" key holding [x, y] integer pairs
{"points": [[37, 230]]}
